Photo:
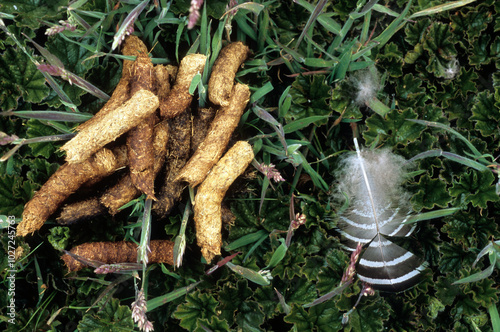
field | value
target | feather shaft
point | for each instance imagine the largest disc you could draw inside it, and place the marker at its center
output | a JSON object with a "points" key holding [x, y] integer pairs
{"points": [[361, 164]]}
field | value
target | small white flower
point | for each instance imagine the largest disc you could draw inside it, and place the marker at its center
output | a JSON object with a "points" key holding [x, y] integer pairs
{"points": [[139, 309], [266, 274]]}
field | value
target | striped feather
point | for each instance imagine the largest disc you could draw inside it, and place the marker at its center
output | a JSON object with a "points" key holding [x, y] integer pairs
{"points": [[378, 209]]}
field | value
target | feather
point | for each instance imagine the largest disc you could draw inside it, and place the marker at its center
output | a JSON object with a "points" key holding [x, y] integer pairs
{"points": [[378, 208]]}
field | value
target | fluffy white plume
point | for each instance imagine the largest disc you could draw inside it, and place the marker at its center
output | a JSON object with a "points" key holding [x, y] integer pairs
{"points": [[385, 171], [366, 84]]}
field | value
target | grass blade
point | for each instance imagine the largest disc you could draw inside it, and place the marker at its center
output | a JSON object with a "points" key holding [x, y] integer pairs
{"points": [[249, 274], [395, 25], [50, 115], [326, 297], [314, 16], [476, 153], [441, 8], [324, 19], [245, 240], [431, 215], [495, 318], [169, 297]]}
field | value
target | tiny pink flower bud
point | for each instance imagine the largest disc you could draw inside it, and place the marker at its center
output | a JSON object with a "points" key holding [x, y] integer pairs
{"points": [[300, 219], [139, 309], [270, 172], [6, 139], [64, 25], [51, 70], [232, 4], [367, 290]]}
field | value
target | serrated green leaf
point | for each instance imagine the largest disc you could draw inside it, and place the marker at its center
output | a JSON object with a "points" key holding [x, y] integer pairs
{"points": [[484, 292], [39, 172], [466, 307], [245, 219], [485, 114], [87, 286], [414, 33], [231, 297], [250, 316], [432, 193], [410, 92], [472, 22], [391, 59], [8, 204], [330, 275], [406, 308], [369, 316], [215, 325], [392, 129], [446, 291], [480, 51], [322, 317], [476, 188], [266, 297], [452, 256], [438, 42], [38, 129], [434, 308], [30, 13], [111, 317], [466, 81], [309, 97], [59, 237], [412, 56], [300, 292], [313, 267], [428, 243], [19, 77], [197, 306]]}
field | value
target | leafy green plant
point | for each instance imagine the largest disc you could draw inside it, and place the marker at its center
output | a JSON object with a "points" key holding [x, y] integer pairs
{"points": [[428, 71]]}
